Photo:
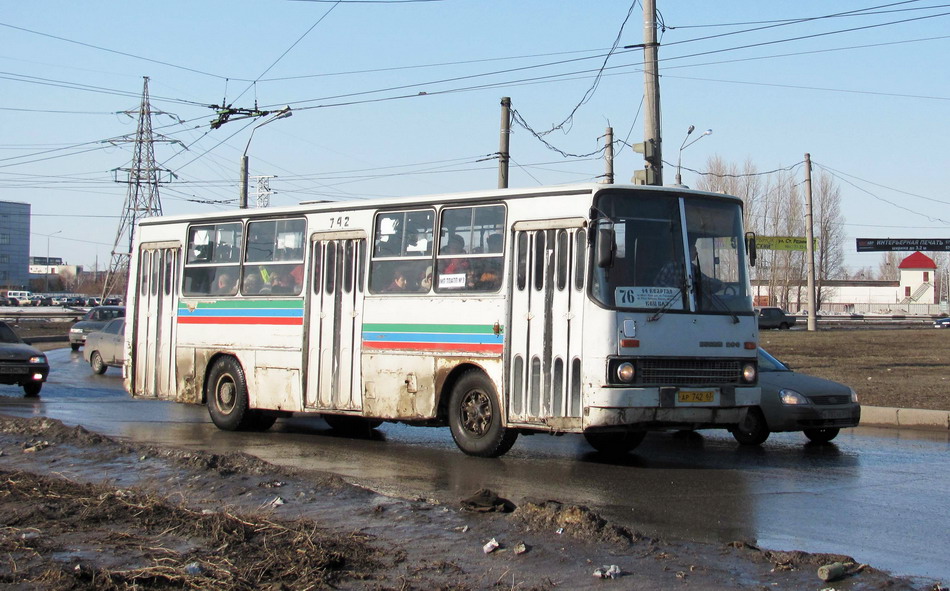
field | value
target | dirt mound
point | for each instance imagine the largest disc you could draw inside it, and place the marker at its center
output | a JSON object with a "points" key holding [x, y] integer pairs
{"points": [[54, 430], [61, 534], [575, 520]]}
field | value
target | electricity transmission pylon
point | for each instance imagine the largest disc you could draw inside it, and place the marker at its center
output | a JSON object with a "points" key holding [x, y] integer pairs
{"points": [[142, 199]]}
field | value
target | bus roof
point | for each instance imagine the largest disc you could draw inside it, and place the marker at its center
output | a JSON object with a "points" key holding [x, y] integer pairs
{"points": [[440, 198]]}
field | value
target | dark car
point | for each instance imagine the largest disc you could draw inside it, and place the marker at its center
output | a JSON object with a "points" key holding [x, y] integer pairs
{"points": [[94, 320], [772, 317], [942, 322], [793, 401], [20, 363]]}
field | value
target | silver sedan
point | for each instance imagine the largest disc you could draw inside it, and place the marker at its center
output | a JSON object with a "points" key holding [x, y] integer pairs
{"points": [[106, 348]]}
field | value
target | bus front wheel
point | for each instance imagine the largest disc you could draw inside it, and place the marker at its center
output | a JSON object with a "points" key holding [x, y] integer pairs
{"points": [[614, 442], [227, 396], [475, 417]]}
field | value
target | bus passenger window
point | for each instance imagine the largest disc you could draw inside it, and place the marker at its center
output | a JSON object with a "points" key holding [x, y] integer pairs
{"points": [[471, 249], [402, 252]]}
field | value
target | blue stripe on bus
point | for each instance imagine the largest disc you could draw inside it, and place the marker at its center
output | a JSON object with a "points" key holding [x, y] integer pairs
{"points": [[247, 312], [438, 337]]}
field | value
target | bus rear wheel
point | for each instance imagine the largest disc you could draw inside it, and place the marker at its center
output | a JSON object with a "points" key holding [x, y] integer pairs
{"points": [[227, 396], [475, 417], [614, 442]]}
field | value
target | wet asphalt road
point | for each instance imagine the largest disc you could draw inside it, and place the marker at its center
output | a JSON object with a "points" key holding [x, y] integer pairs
{"points": [[878, 495]]}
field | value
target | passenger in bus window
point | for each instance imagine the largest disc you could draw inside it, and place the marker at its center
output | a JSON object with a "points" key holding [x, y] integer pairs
{"points": [[282, 283], [454, 245], [399, 282], [425, 284], [253, 284], [225, 284]]}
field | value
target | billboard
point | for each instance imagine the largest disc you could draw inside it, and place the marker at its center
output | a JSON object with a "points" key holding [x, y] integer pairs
{"points": [[908, 244], [782, 243]]}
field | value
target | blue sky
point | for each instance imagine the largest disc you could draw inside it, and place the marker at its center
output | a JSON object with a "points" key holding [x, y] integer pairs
{"points": [[402, 97]]}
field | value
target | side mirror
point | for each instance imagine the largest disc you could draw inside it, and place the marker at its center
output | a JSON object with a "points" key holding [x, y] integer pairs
{"points": [[750, 247], [605, 247]]}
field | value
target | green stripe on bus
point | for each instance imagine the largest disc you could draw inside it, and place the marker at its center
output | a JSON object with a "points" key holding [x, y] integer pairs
{"points": [[446, 328], [244, 304]]}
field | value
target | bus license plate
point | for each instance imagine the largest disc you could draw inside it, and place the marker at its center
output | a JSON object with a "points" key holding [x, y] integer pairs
{"points": [[692, 396]]}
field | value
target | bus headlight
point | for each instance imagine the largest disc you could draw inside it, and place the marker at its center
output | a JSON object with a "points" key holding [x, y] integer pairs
{"points": [[625, 372], [749, 373]]}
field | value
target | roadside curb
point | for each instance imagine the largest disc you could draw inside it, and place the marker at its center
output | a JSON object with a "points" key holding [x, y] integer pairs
{"points": [[907, 418]]}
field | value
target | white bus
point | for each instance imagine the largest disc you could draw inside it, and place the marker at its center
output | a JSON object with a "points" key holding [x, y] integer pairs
{"points": [[561, 310]]}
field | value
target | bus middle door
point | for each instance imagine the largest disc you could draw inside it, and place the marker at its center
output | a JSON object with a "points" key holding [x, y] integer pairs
{"points": [[334, 380], [546, 337]]}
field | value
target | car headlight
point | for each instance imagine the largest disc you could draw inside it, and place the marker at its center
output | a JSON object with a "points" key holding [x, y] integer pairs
{"points": [[749, 373], [625, 372], [854, 396], [38, 359], [75, 330], [789, 396]]}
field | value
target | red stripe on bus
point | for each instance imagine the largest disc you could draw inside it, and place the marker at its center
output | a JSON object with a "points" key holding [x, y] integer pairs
{"points": [[240, 320], [450, 347]]}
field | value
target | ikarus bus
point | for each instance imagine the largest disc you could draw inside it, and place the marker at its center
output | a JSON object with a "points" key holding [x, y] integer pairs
{"points": [[604, 310]]}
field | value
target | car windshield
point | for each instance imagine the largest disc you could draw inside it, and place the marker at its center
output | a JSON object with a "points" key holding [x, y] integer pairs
{"points": [[658, 264], [769, 363], [7, 335]]}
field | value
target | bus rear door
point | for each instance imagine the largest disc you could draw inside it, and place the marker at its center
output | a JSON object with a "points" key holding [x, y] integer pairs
{"points": [[334, 320], [152, 355]]}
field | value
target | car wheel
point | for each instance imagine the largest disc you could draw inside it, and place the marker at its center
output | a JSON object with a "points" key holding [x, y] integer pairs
{"points": [[616, 442], [227, 396], [753, 430], [74, 346], [822, 435], [95, 361], [32, 389], [783, 326], [475, 417]]}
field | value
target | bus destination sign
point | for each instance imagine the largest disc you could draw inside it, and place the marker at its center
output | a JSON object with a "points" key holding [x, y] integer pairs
{"points": [[892, 244]]}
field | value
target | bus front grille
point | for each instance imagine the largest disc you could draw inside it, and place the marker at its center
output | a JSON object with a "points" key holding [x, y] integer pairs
{"points": [[690, 372]]}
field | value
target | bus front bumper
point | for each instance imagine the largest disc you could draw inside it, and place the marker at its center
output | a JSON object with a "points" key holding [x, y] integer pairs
{"points": [[670, 408]]}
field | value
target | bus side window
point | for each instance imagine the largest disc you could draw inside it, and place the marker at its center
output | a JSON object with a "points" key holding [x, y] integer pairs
{"points": [[471, 249], [402, 252]]}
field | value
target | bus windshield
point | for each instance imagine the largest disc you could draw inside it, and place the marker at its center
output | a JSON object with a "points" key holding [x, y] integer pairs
{"points": [[673, 253]]}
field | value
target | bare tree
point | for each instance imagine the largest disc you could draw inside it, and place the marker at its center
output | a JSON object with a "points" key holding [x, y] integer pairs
{"points": [[888, 268], [826, 208]]}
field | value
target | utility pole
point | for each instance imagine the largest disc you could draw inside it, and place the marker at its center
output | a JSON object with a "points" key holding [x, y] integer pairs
{"points": [[651, 93], [609, 156], [810, 247], [142, 199], [504, 142]]}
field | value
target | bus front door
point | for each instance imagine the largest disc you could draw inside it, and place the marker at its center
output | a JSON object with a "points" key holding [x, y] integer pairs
{"points": [[545, 336], [334, 322], [152, 361]]}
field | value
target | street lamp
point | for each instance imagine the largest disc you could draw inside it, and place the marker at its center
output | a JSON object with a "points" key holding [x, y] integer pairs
{"points": [[679, 158], [282, 114], [47, 257]]}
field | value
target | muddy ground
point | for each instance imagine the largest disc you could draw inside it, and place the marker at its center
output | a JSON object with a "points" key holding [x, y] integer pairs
{"points": [[82, 511]]}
